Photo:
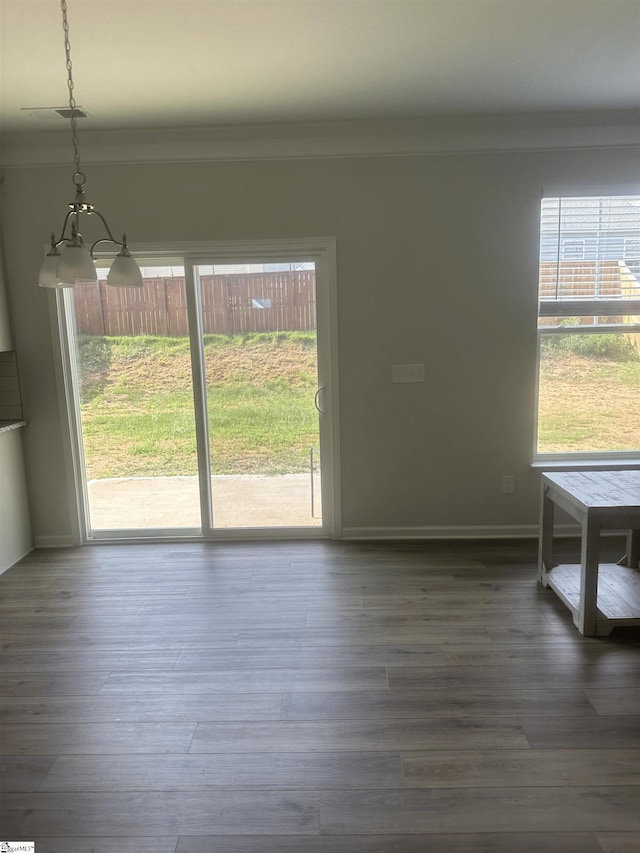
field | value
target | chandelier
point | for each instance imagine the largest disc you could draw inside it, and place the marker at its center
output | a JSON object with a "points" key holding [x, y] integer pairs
{"points": [[75, 264]]}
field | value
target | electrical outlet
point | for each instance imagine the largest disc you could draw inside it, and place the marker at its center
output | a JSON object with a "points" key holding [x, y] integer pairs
{"points": [[508, 484]]}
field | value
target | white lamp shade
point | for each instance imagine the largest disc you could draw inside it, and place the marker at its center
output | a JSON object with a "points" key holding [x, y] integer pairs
{"points": [[76, 267], [49, 272], [125, 272]]}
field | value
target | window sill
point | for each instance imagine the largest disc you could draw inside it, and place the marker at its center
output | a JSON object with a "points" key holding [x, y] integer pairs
{"points": [[584, 464]]}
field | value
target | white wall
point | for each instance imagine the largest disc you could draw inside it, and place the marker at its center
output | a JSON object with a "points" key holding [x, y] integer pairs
{"points": [[437, 263]]}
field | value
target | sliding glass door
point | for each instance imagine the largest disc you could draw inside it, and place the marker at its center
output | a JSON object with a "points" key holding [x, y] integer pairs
{"points": [[258, 342], [135, 404], [199, 403]]}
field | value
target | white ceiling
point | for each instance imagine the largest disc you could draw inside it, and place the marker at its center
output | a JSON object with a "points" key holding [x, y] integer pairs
{"points": [[153, 63]]}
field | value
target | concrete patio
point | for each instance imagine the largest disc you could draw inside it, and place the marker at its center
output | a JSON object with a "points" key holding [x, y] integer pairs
{"points": [[173, 502]]}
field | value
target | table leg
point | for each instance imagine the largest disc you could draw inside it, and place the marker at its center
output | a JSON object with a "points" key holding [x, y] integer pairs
{"points": [[586, 617], [545, 547]]}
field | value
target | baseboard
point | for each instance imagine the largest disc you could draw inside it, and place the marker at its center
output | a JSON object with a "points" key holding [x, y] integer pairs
{"points": [[480, 531], [53, 542]]}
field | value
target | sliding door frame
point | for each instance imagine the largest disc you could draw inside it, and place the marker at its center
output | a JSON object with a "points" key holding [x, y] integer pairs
{"points": [[322, 251]]}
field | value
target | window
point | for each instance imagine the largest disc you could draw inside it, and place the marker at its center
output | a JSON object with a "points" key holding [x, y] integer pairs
{"points": [[589, 327]]}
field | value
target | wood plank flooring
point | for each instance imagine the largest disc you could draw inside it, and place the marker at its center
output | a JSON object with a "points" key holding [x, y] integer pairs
{"points": [[311, 697]]}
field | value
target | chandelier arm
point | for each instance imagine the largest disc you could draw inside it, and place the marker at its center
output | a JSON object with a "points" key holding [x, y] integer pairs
{"points": [[112, 239], [64, 228], [103, 240]]}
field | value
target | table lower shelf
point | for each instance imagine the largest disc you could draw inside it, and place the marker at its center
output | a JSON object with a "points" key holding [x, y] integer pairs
{"points": [[618, 593]]}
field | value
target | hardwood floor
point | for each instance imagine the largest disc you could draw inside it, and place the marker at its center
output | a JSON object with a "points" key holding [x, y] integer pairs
{"points": [[311, 698]]}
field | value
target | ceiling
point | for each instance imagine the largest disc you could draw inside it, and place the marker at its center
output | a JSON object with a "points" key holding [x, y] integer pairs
{"points": [[200, 63]]}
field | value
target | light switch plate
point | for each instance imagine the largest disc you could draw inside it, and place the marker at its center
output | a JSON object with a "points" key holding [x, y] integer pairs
{"points": [[407, 373]]}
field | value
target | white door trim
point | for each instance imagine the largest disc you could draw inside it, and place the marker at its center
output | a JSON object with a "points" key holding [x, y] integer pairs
{"points": [[321, 250]]}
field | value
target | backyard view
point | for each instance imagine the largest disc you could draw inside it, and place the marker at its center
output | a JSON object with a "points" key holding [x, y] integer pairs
{"points": [[589, 393], [138, 419], [260, 372], [589, 324], [137, 410]]}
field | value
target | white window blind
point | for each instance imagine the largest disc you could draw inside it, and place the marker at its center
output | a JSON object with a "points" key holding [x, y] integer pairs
{"points": [[587, 261]]}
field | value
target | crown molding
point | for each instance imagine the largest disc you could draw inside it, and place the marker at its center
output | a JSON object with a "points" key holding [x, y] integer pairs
{"points": [[442, 135]]}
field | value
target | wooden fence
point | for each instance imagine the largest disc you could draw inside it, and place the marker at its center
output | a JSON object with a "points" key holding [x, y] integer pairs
{"points": [[582, 279], [231, 304], [586, 280]]}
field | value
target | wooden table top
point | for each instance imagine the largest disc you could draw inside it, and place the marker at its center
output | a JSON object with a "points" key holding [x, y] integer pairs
{"points": [[598, 488]]}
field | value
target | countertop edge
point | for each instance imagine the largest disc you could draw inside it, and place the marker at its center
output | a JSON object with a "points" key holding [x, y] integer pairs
{"points": [[5, 426]]}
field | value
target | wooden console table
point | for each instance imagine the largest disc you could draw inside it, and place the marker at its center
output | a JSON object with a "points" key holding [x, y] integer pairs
{"points": [[600, 595]]}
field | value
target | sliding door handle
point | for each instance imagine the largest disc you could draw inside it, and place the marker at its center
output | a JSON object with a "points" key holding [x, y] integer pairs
{"points": [[316, 400]]}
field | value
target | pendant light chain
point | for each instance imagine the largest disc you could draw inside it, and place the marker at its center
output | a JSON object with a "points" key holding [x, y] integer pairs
{"points": [[78, 177], [76, 265]]}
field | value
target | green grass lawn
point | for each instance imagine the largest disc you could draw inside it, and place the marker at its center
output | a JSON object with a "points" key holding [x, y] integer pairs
{"points": [[589, 399], [137, 410]]}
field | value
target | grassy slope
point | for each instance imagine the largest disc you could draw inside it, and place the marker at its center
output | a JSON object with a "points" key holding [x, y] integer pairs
{"points": [[138, 412], [589, 404]]}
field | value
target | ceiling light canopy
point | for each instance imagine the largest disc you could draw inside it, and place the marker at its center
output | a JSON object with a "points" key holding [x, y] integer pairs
{"points": [[75, 264]]}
